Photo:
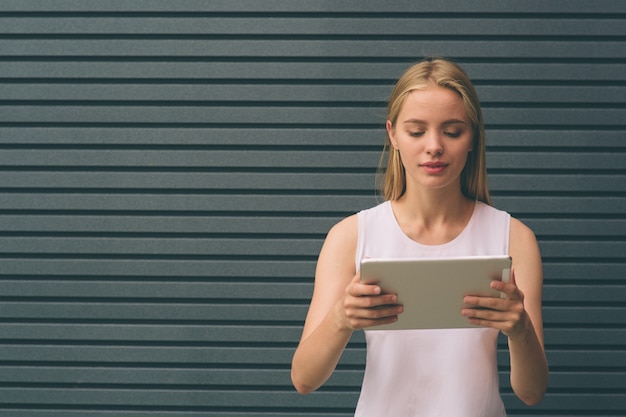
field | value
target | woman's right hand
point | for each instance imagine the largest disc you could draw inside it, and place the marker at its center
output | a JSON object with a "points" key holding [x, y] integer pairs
{"points": [[363, 305]]}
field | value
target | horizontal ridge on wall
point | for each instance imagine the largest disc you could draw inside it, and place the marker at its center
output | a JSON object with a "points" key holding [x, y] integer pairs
{"points": [[600, 7], [168, 174]]}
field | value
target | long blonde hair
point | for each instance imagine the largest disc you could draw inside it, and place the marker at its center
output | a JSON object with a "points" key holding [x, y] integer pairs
{"points": [[444, 73]]}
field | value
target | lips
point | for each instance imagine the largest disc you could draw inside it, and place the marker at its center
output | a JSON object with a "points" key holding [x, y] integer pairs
{"points": [[434, 164], [435, 167]]}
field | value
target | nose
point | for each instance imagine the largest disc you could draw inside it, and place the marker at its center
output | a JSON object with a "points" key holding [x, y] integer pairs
{"points": [[434, 144]]}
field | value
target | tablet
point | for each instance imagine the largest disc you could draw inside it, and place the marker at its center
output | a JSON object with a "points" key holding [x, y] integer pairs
{"points": [[432, 290]]}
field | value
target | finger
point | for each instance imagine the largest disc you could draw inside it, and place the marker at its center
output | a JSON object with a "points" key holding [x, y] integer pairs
{"points": [[488, 303], [507, 325], [373, 316], [377, 302], [473, 301], [364, 323], [382, 311], [509, 289], [515, 292], [489, 314], [356, 289]]}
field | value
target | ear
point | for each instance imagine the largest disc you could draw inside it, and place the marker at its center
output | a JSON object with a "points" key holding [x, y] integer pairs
{"points": [[391, 133]]}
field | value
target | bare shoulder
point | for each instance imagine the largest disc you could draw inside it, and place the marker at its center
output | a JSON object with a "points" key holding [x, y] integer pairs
{"points": [[346, 229], [524, 251], [341, 241], [523, 245], [521, 236], [517, 226], [336, 262]]}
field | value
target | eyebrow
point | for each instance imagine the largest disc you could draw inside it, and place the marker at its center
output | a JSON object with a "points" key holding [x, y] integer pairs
{"points": [[445, 123]]}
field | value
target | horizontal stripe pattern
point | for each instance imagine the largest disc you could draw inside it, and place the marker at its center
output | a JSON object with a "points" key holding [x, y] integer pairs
{"points": [[168, 173]]}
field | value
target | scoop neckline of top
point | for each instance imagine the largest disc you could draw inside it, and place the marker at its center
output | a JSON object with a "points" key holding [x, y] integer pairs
{"points": [[458, 237]]}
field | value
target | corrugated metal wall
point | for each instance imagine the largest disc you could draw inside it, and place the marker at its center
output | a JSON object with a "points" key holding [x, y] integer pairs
{"points": [[169, 169]]}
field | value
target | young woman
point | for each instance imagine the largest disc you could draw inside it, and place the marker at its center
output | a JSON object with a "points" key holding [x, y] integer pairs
{"points": [[437, 204]]}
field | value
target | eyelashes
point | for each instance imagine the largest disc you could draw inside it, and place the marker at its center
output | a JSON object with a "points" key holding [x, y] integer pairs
{"points": [[417, 134]]}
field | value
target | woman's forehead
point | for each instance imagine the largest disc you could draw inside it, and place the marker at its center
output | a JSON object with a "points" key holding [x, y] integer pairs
{"points": [[433, 103]]}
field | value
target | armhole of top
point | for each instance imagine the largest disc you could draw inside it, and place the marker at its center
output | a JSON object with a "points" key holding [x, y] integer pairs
{"points": [[507, 233], [359, 241]]}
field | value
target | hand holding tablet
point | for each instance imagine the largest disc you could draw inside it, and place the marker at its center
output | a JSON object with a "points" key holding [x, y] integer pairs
{"points": [[432, 290]]}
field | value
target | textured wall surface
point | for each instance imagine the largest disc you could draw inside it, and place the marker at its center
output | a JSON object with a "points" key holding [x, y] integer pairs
{"points": [[169, 169]]}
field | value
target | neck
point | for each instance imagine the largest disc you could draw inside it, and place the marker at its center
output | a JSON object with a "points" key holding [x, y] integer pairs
{"points": [[434, 206], [433, 219]]}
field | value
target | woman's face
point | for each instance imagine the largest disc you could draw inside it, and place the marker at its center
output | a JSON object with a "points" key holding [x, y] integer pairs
{"points": [[433, 134]]}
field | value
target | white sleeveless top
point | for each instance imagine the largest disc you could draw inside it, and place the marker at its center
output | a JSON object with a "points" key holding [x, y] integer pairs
{"points": [[428, 373]]}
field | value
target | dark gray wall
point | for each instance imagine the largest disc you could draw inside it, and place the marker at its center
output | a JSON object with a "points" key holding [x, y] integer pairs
{"points": [[169, 169]]}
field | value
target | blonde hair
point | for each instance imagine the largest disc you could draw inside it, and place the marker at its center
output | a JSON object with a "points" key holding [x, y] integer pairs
{"points": [[447, 74]]}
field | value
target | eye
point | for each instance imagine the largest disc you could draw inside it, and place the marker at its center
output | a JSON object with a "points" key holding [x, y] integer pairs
{"points": [[416, 134], [453, 134]]}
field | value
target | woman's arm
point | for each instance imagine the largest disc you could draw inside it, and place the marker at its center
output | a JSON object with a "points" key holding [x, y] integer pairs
{"points": [[519, 316], [340, 305], [529, 367]]}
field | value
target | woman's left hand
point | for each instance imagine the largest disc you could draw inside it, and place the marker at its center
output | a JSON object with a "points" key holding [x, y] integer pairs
{"points": [[506, 314]]}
